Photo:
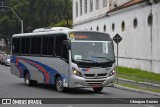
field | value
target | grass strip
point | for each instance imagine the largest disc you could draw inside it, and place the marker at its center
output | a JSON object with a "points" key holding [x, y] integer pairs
{"points": [[138, 75]]}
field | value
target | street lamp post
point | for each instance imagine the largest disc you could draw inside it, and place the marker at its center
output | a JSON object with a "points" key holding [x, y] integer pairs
{"points": [[67, 12], [15, 15]]}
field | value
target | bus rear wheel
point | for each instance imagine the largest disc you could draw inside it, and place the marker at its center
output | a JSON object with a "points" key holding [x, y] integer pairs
{"points": [[59, 84], [28, 81], [97, 89]]}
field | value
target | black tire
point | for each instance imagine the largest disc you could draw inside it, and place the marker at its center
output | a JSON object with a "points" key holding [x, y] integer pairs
{"points": [[59, 84], [97, 89], [28, 81]]}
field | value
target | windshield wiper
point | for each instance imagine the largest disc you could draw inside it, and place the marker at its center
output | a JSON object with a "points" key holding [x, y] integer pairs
{"points": [[86, 60], [103, 58]]}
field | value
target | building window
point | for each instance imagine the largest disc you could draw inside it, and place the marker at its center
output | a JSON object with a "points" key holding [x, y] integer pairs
{"points": [[91, 28], [113, 27], [91, 5], [76, 9], [104, 3], [135, 23], [85, 6], [104, 29], [150, 20], [97, 28], [97, 4], [123, 26], [80, 7]]}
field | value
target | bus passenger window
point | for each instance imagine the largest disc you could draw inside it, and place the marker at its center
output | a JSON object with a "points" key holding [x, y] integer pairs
{"points": [[48, 45], [36, 45], [16, 45], [25, 45]]}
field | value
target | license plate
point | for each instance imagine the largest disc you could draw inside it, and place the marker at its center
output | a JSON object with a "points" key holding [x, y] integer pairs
{"points": [[95, 85]]}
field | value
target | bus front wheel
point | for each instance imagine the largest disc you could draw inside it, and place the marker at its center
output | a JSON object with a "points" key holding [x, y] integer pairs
{"points": [[28, 81], [98, 89], [59, 84]]}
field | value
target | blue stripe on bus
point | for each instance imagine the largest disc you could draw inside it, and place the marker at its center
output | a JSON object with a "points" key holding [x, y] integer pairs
{"points": [[51, 72]]}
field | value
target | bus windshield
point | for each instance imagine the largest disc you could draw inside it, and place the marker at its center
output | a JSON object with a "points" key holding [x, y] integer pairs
{"points": [[86, 49]]}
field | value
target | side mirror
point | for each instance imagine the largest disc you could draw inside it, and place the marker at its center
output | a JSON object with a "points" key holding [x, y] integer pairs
{"points": [[67, 44]]}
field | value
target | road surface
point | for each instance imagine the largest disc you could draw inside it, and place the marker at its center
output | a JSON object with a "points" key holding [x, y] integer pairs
{"points": [[13, 87]]}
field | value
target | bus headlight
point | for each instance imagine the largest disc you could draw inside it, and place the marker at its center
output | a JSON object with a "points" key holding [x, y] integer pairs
{"points": [[112, 72], [75, 72]]}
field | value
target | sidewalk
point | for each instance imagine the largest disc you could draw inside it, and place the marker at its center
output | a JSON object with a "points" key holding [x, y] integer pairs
{"points": [[142, 86]]}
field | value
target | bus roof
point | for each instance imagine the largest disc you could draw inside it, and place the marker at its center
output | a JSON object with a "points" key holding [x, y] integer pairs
{"points": [[55, 30]]}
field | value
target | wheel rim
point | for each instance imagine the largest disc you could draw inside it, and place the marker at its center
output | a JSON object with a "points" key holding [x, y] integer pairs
{"points": [[27, 79], [59, 85]]}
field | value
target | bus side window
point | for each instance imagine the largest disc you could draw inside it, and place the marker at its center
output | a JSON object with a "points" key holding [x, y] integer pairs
{"points": [[25, 45], [23, 42], [48, 45], [36, 45], [59, 40], [16, 45]]}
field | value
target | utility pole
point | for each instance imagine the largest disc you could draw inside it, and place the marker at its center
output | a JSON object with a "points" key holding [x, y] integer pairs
{"points": [[15, 15], [18, 18], [67, 12]]}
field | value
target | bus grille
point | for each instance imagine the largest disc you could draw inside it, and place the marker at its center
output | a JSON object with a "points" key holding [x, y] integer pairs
{"points": [[95, 82], [95, 75]]}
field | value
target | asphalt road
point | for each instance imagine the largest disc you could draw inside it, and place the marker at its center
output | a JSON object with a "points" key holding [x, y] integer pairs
{"points": [[13, 87]]}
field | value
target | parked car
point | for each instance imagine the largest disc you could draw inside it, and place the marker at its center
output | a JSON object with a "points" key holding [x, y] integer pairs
{"points": [[7, 60], [3, 59]]}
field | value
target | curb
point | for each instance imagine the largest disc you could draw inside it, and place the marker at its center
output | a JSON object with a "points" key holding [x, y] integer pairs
{"points": [[136, 90], [144, 83]]}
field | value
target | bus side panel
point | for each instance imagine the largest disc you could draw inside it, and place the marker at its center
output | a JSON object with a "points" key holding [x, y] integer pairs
{"points": [[15, 71], [51, 66], [19, 67], [41, 69], [35, 74], [15, 68]]}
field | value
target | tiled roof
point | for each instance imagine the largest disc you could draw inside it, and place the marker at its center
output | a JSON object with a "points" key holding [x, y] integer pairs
{"points": [[130, 3]]}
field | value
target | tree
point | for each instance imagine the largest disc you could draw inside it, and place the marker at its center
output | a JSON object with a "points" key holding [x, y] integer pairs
{"points": [[34, 13]]}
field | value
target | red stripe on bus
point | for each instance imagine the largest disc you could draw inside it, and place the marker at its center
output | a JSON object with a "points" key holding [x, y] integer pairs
{"points": [[38, 66]]}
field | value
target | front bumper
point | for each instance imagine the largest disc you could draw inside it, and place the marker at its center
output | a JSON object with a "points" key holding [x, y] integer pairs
{"points": [[81, 82]]}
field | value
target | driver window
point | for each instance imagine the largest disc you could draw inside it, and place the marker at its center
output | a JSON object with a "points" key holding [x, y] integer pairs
{"points": [[65, 53]]}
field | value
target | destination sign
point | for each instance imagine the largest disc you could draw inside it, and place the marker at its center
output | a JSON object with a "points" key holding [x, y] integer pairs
{"points": [[94, 36]]}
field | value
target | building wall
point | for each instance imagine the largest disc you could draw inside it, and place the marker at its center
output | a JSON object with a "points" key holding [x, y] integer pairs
{"points": [[89, 15], [156, 38], [140, 47], [96, 12]]}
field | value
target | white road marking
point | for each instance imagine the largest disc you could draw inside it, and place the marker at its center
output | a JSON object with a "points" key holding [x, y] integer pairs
{"points": [[149, 106], [99, 95], [69, 106]]}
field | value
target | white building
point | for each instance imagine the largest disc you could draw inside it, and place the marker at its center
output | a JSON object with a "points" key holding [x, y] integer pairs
{"points": [[137, 21]]}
